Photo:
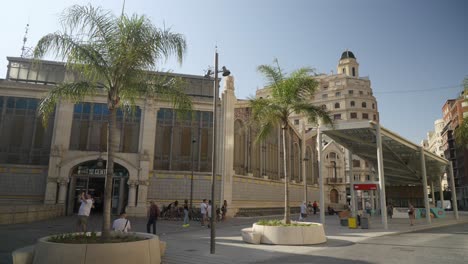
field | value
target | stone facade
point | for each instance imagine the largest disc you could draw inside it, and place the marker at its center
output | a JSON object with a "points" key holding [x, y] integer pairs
{"points": [[159, 151]]}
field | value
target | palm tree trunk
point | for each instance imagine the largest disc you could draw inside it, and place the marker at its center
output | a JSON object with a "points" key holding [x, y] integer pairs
{"points": [[112, 146], [287, 216]]}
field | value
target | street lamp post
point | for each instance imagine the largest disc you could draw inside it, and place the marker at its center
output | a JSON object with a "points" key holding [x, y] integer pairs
{"points": [[225, 72], [191, 179]]}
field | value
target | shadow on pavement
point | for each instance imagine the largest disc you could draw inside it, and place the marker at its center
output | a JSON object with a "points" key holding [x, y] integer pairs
{"points": [[311, 259]]}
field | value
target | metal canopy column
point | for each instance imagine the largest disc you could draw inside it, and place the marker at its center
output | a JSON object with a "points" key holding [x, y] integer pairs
{"points": [[320, 173], [351, 180], [433, 193], [454, 191], [441, 193], [380, 169], [424, 182], [303, 162]]}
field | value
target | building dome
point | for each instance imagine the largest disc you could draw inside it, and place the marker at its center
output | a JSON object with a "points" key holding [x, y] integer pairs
{"points": [[347, 55]]}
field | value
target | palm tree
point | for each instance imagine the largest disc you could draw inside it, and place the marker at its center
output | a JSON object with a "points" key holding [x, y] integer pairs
{"points": [[461, 132], [112, 55], [288, 95]]}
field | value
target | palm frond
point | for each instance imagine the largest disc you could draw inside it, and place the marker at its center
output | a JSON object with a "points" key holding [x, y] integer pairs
{"points": [[170, 43], [313, 113], [74, 92], [167, 88], [82, 58], [272, 74], [96, 24]]}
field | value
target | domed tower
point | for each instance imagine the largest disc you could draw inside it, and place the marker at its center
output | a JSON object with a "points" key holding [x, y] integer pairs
{"points": [[348, 64]]}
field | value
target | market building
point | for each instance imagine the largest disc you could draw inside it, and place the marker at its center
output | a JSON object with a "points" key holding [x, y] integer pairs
{"points": [[164, 156]]}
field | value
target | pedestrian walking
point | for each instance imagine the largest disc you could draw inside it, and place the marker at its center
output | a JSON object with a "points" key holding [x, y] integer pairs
{"points": [[186, 214], [84, 211], [224, 209], [315, 206], [368, 208], [390, 210], [208, 213], [203, 207], [303, 214], [411, 213], [122, 224], [153, 214]]}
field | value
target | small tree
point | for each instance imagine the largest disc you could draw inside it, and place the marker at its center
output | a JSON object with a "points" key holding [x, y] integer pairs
{"points": [[288, 95], [112, 55]]}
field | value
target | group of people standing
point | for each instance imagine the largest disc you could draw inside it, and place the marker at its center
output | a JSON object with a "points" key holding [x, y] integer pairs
{"points": [[305, 209], [206, 212]]}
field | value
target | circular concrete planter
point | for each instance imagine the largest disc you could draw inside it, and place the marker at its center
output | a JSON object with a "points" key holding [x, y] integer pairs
{"points": [[291, 235], [143, 251]]}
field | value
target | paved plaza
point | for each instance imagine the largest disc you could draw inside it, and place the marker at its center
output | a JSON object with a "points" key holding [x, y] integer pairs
{"points": [[192, 244]]}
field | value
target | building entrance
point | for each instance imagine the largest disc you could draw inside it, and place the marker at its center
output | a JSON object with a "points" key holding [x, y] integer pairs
{"points": [[89, 177]]}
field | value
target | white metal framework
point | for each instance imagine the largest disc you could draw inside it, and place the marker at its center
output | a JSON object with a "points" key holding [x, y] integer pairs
{"points": [[397, 160]]}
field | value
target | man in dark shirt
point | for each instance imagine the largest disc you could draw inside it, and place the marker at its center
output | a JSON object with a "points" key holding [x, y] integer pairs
{"points": [[153, 213]]}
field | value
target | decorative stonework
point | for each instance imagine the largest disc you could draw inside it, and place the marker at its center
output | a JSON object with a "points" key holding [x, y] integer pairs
{"points": [[144, 156], [132, 183], [52, 180], [242, 114], [63, 181], [55, 151], [143, 182], [229, 83]]}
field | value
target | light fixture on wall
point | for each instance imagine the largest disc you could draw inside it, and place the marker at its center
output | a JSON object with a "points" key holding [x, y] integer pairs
{"points": [[99, 161]]}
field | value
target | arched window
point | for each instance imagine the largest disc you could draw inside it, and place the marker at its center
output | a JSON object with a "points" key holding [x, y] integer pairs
{"points": [[337, 105], [344, 70], [364, 105], [334, 197], [324, 107], [353, 103], [373, 106], [354, 71], [332, 155]]}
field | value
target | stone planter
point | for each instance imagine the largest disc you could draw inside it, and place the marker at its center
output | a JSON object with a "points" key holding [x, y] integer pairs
{"points": [[145, 251], [249, 236], [291, 235]]}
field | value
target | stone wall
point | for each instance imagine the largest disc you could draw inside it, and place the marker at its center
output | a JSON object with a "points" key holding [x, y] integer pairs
{"points": [[166, 187], [16, 214], [250, 192], [22, 184]]}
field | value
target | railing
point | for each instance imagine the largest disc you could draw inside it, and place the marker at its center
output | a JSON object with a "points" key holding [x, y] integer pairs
{"points": [[334, 180]]}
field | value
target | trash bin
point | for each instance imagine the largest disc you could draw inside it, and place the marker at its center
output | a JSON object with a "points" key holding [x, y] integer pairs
{"points": [[344, 221], [352, 222], [364, 222]]}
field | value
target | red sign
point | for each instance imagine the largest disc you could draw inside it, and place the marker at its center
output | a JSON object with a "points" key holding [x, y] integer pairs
{"points": [[365, 186]]}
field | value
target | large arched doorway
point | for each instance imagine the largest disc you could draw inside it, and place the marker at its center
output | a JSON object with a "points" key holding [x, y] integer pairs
{"points": [[90, 177]]}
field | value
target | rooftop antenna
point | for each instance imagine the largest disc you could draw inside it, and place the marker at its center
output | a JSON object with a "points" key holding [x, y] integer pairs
{"points": [[26, 51]]}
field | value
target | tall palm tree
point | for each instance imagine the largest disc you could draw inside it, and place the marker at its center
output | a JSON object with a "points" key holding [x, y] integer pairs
{"points": [[461, 132], [112, 55], [288, 95]]}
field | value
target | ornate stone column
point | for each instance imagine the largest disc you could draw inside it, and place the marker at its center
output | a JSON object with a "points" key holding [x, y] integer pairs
{"points": [[132, 185], [60, 144], [227, 149], [51, 191], [142, 193], [63, 186]]}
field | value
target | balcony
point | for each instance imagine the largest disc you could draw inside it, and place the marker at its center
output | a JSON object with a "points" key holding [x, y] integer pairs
{"points": [[334, 180]]}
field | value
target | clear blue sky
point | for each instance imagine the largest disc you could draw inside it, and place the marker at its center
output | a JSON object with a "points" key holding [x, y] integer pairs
{"points": [[400, 45]]}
